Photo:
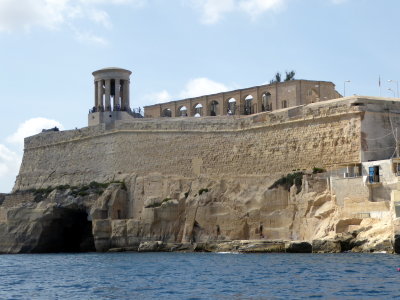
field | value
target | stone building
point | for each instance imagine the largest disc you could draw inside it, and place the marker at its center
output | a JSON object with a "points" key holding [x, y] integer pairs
{"points": [[210, 179], [247, 101]]}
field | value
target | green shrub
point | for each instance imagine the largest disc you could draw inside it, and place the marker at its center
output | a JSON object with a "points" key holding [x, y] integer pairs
{"points": [[84, 188], [203, 191], [318, 170], [123, 186], [42, 193], [63, 187], [96, 185], [288, 181]]}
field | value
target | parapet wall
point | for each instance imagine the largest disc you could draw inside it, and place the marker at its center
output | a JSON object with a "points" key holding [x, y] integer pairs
{"points": [[325, 134]]}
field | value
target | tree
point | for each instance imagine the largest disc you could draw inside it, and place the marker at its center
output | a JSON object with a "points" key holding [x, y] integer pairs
{"points": [[290, 75], [278, 78]]}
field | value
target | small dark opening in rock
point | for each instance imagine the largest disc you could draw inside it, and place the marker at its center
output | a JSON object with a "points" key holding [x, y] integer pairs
{"points": [[68, 231]]}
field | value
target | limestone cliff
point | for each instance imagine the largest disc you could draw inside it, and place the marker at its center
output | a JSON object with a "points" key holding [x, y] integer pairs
{"points": [[154, 211]]}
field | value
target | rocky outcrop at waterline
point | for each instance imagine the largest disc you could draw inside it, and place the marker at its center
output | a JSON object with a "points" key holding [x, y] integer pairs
{"points": [[171, 213]]}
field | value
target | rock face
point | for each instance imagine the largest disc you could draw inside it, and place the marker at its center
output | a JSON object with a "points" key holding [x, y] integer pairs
{"points": [[49, 226], [171, 213]]}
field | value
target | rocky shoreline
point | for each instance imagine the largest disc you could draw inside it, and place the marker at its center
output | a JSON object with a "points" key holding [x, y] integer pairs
{"points": [[255, 246], [168, 214]]}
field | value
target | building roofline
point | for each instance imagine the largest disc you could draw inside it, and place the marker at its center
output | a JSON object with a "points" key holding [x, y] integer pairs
{"points": [[241, 89], [111, 69]]}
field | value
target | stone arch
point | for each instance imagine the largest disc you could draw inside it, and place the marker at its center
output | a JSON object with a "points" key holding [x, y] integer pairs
{"points": [[182, 111], [214, 108], [248, 105], [266, 102], [166, 113], [198, 110], [232, 106]]}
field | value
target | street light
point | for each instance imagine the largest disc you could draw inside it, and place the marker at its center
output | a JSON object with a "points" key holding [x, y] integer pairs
{"points": [[394, 94], [397, 83], [344, 87]]}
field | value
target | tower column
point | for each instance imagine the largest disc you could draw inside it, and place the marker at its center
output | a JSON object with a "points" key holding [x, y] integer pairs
{"points": [[117, 103], [125, 99], [96, 96], [100, 93], [108, 95]]}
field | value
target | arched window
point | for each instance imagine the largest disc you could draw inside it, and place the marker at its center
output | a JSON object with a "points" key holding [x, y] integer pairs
{"points": [[166, 113], [183, 111], [231, 106], [214, 108], [198, 110], [248, 104], [266, 103]]}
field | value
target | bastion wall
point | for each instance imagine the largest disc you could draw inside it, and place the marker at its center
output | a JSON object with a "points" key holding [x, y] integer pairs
{"points": [[266, 144]]}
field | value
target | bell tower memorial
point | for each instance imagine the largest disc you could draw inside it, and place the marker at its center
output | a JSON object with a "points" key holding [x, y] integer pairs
{"points": [[111, 96]]}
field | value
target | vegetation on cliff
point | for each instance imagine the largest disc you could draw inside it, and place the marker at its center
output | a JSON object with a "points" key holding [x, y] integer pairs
{"points": [[75, 191], [288, 181]]}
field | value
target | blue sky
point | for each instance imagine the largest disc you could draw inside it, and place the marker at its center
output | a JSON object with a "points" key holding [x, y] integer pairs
{"points": [[179, 48]]}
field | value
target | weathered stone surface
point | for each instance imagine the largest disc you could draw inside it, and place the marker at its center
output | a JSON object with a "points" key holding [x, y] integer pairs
{"points": [[151, 246], [326, 246], [242, 246], [321, 134], [396, 243], [171, 213], [298, 247], [54, 228]]}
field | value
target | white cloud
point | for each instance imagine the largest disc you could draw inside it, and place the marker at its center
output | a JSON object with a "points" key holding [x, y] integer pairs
{"points": [[257, 7], [88, 37], [202, 86], [194, 87], [100, 17], [24, 15], [135, 2], [212, 10], [158, 97], [9, 162], [31, 127]]}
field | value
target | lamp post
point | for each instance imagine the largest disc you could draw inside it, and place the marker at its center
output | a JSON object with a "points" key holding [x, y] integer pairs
{"points": [[344, 87], [397, 84], [394, 94]]}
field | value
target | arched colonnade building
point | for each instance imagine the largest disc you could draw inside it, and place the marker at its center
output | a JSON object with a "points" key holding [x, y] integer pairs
{"points": [[247, 101]]}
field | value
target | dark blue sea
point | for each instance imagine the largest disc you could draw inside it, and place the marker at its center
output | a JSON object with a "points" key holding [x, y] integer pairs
{"points": [[199, 276]]}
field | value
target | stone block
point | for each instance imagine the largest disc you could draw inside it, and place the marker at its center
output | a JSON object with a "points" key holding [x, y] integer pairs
{"points": [[298, 247], [326, 246]]}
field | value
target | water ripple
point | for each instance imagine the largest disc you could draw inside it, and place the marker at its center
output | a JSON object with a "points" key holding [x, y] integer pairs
{"points": [[199, 276]]}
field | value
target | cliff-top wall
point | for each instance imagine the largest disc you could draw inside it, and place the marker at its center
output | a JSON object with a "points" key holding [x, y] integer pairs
{"points": [[324, 134]]}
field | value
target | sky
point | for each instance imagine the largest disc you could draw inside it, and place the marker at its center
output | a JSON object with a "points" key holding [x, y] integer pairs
{"points": [[178, 49]]}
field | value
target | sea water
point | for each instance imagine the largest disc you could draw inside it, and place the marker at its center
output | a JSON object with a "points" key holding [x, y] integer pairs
{"points": [[199, 276]]}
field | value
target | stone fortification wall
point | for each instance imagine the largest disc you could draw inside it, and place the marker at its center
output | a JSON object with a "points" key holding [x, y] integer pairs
{"points": [[322, 134]]}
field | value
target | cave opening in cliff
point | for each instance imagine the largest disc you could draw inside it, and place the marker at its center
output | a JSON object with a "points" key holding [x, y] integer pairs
{"points": [[68, 232]]}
